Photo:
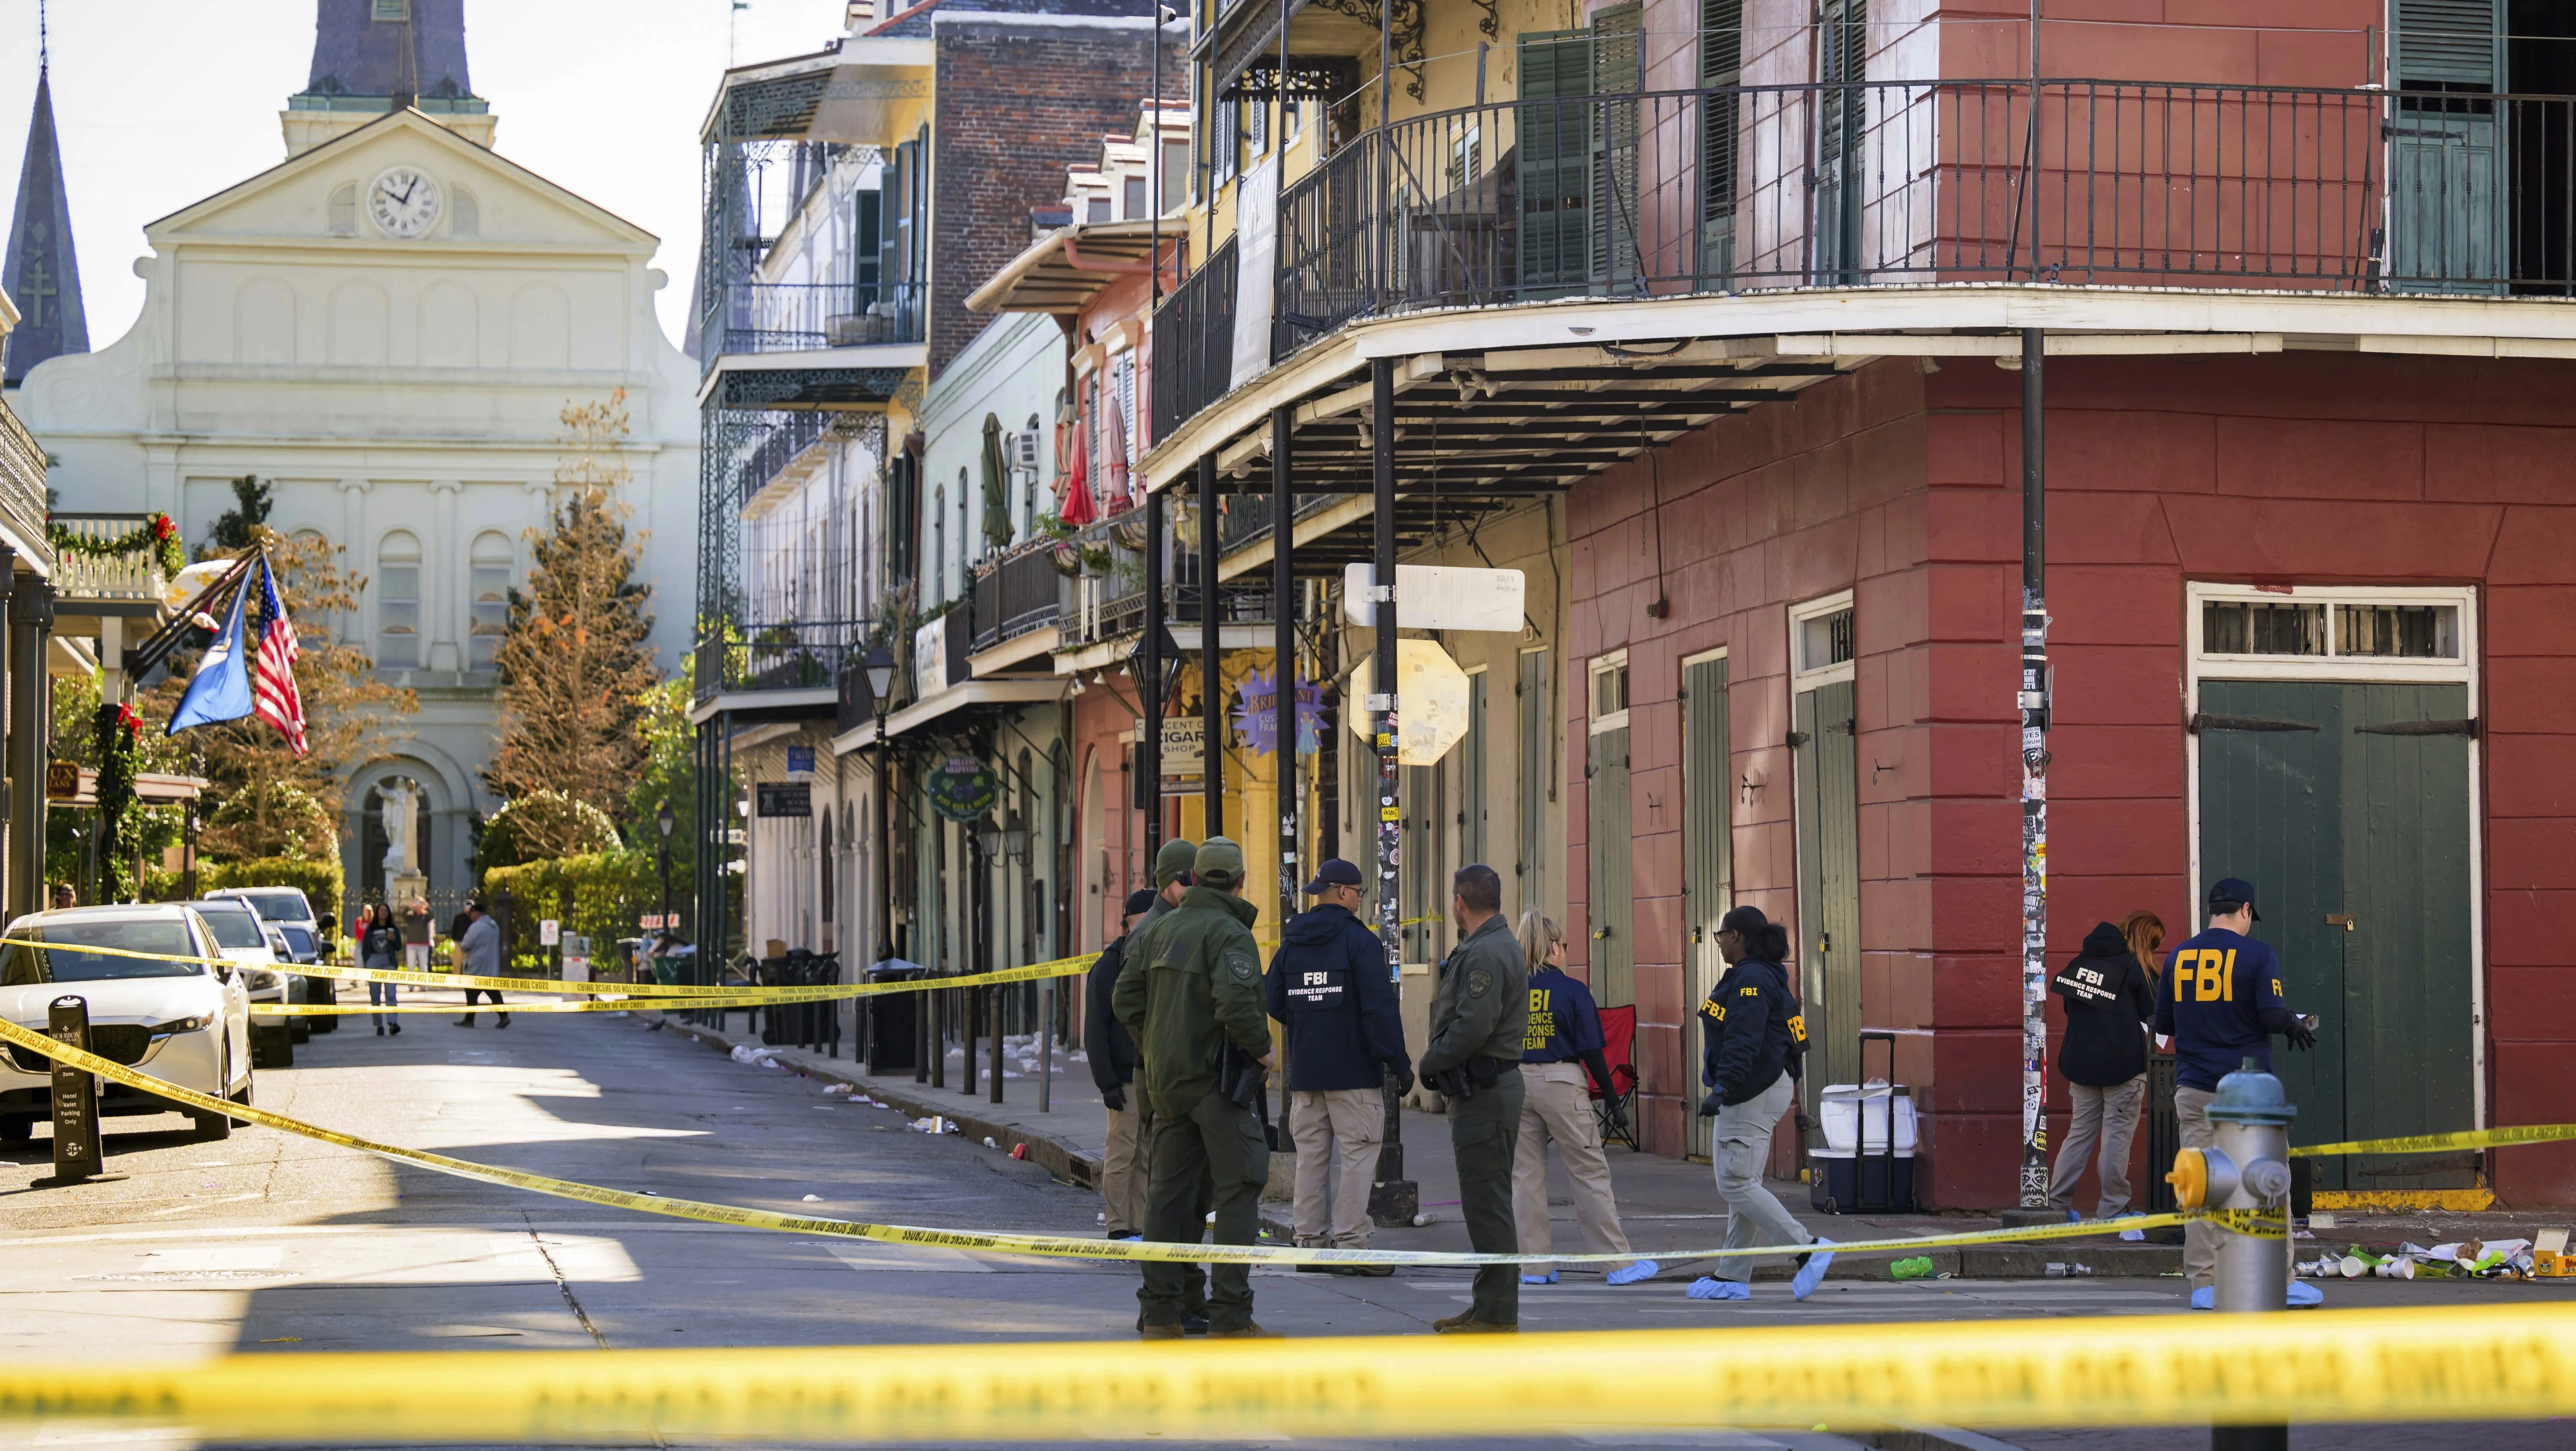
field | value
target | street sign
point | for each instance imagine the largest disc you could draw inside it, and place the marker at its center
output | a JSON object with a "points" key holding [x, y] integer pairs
{"points": [[1184, 746], [782, 798], [549, 932], [800, 761], [62, 780], [78, 1155], [1430, 702], [1441, 597]]}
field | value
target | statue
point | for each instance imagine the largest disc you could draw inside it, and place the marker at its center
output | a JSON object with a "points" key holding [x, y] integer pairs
{"points": [[404, 877]]}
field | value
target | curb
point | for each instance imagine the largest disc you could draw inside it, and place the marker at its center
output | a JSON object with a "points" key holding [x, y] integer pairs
{"points": [[1929, 1438], [1054, 1155]]}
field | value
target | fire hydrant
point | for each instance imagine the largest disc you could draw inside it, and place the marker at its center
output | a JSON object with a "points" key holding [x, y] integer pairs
{"points": [[2247, 1171]]}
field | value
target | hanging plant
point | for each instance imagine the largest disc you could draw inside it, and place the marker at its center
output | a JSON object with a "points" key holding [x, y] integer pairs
{"points": [[155, 534], [116, 736]]}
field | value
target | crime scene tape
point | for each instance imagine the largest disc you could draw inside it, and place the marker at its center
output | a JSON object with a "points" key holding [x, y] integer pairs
{"points": [[1059, 967], [2439, 1143], [1045, 1246], [2390, 1366]]}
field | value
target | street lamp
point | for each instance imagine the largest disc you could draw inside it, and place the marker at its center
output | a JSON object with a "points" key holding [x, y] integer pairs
{"points": [[880, 672], [665, 821], [1015, 838], [988, 842]]}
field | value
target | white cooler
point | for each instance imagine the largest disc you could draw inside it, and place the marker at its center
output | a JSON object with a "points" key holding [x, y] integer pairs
{"points": [[1856, 1168]]}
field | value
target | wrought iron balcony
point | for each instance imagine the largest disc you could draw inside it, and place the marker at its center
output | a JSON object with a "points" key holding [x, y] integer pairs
{"points": [[1733, 189], [1020, 592], [786, 655], [22, 482], [806, 317]]}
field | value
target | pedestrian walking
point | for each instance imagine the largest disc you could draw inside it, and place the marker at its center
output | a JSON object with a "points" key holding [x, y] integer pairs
{"points": [[1113, 1070], [415, 934], [1479, 1015], [2220, 1001], [1752, 1034], [378, 942], [478, 954], [1563, 1039], [1329, 989], [2110, 998], [1192, 995]]}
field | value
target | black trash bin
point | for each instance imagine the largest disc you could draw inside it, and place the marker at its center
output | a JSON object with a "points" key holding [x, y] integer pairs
{"points": [[892, 1021]]}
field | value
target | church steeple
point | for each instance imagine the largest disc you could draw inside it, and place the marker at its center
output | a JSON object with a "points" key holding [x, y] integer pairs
{"points": [[42, 274], [375, 56]]}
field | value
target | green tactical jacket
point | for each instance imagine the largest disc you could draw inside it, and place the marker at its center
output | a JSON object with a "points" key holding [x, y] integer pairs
{"points": [[1481, 1007], [1187, 985]]}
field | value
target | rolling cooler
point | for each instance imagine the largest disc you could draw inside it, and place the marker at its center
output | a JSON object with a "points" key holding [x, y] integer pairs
{"points": [[1863, 1167]]}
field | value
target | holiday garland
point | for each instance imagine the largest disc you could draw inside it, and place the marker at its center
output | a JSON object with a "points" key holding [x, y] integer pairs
{"points": [[156, 534], [115, 733]]}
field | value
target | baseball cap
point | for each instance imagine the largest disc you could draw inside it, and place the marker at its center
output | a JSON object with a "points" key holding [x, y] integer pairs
{"points": [[1172, 863], [1139, 902], [1219, 864], [2229, 893], [1335, 872]]}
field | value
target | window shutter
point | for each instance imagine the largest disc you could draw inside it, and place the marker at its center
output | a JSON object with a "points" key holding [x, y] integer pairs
{"points": [[2448, 45]]}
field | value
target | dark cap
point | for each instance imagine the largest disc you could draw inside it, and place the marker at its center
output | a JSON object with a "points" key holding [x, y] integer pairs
{"points": [[1140, 902], [1219, 864], [1172, 863], [1335, 872], [2229, 893]]}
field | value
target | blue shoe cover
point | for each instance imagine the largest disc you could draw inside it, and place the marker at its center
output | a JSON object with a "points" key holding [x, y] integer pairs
{"points": [[1706, 1288], [1812, 1273], [1631, 1274], [2303, 1295], [1546, 1279]]}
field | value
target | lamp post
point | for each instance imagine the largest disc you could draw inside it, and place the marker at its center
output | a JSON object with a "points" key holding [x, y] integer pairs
{"points": [[665, 821], [880, 670], [989, 839]]}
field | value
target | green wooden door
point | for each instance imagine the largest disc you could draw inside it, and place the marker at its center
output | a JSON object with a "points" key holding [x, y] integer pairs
{"points": [[1613, 903], [2447, 176], [2351, 819], [1708, 796], [1828, 976]]}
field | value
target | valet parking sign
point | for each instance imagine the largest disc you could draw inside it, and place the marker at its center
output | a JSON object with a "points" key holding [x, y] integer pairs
{"points": [[962, 789]]}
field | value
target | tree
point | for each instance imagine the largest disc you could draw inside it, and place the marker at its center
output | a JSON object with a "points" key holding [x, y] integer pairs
{"points": [[350, 717], [573, 661], [670, 775], [542, 825]]}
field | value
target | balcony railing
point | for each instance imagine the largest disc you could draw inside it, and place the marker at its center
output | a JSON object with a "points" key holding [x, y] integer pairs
{"points": [[1908, 182], [1194, 342], [128, 577], [1016, 594], [22, 482], [804, 317], [789, 655]]}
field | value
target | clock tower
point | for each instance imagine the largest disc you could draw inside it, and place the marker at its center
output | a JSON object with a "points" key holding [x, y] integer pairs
{"points": [[375, 56]]}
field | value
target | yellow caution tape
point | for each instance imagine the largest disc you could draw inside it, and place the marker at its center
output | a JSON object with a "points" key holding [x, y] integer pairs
{"points": [[746, 992], [2403, 1366], [1049, 1246], [2437, 1143]]}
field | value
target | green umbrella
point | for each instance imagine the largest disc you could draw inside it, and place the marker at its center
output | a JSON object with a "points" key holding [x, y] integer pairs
{"points": [[997, 501]]}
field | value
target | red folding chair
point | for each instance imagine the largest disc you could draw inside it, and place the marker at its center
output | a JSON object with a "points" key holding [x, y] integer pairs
{"points": [[1614, 1105]]}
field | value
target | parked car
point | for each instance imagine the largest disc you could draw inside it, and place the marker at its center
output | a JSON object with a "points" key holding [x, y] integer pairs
{"points": [[291, 912], [254, 947], [187, 1022]]}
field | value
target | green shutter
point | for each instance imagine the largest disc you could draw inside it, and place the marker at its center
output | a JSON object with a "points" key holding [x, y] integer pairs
{"points": [[2447, 45], [1537, 743], [1829, 946], [1708, 816], [1555, 165], [1612, 898], [1618, 69], [1472, 787], [1721, 69]]}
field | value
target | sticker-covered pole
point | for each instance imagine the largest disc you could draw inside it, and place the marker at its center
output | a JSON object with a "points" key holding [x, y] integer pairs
{"points": [[1393, 1199], [2033, 701]]}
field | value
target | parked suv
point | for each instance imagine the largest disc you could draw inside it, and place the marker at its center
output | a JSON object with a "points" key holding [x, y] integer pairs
{"points": [[186, 1022], [291, 913], [255, 948]]}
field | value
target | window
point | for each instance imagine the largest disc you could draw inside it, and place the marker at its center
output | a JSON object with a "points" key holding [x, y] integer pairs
{"points": [[2390, 630], [464, 214], [1133, 194], [939, 537], [2406, 632], [2262, 627], [398, 603], [344, 210], [1176, 174], [1609, 692], [488, 590], [1825, 640], [1025, 456], [393, 11], [1096, 209]]}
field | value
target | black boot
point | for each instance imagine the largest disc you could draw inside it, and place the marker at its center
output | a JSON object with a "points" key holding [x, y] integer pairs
{"points": [[380, 1030], [502, 1021], [394, 1028]]}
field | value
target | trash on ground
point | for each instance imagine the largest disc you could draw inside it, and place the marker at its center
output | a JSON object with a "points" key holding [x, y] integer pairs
{"points": [[934, 1124], [813, 1198], [1019, 1151], [2065, 1270], [1919, 1267], [840, 1088], [2501, 1259]]}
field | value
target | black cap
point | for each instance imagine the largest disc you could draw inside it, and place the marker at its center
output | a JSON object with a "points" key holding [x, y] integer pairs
{"points": [[1335, 872], [1140, 902], [2229, 893]]}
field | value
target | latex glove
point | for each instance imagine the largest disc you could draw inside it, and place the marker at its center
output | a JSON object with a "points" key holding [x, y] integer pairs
{"points": [[1114, 1098], [2301, 1036], [1709, 1106], [1403, 1077]]}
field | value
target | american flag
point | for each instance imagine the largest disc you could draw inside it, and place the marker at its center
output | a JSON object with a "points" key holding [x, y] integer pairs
{"points": [[274, 697]]}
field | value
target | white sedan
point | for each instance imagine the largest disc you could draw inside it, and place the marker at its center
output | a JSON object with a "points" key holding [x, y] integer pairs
{"points": [[182, 1021]]}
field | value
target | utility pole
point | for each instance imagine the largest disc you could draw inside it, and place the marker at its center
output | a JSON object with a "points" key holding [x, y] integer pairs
{"points": [[2034, 704]]}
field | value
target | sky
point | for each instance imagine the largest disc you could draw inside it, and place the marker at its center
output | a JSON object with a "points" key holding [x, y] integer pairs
{"points": [[164, 102]]}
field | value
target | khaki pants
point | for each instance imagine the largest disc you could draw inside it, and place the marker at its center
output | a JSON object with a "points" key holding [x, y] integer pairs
{"points": [[1122, 1168], [1337, 1132], [1557, 1108], [2108, 1116], [2200, 1237], [1738, 1147]]}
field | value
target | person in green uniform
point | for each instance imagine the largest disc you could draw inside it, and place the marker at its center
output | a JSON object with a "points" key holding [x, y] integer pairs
{"points": [[1479, 1014], [1192, 995]]}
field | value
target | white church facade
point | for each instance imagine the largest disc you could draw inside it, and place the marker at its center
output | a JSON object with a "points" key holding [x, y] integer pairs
{"points": [[387, 327]]}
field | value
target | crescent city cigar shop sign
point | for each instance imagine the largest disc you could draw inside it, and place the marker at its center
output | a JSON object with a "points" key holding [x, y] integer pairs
{"points": [[962, 789]]}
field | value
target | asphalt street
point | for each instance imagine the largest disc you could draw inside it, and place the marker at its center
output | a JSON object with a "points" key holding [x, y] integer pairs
{"points": [[269, 1243]]}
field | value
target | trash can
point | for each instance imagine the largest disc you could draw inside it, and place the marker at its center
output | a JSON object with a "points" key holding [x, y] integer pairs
{"points": [[893, 1020], [2164, 1133]]}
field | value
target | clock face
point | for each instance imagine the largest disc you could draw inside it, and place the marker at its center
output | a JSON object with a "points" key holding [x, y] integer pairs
{"points": [[404, 201]]}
